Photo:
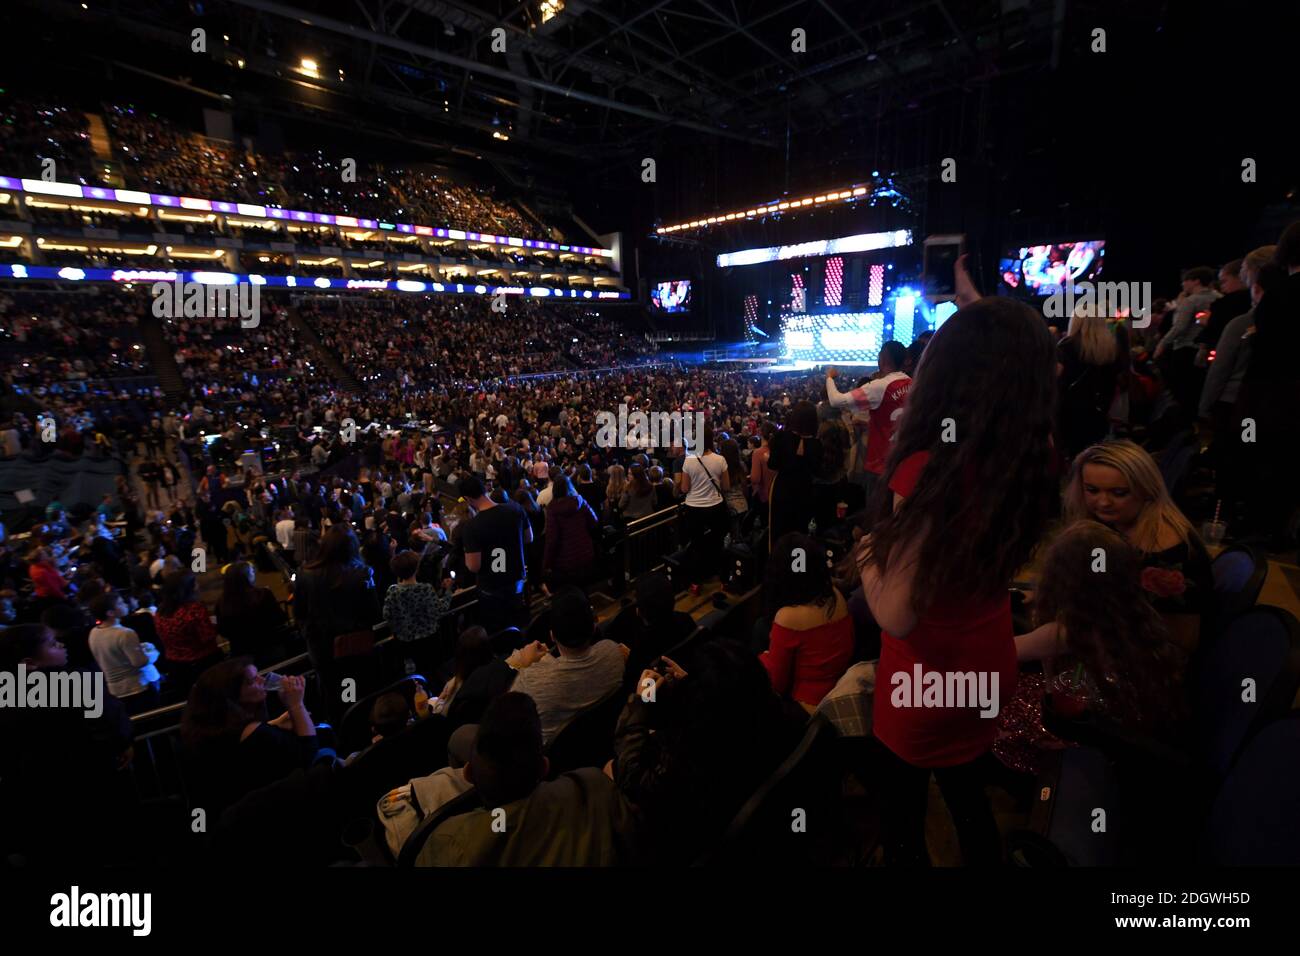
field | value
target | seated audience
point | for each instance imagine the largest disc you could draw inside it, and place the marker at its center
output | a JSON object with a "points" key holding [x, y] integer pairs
{"points": [[235, 748], [578, 819], [655, 626], [473, 650], [1103, 647], [53, 757], [1119, 484], [680, 757], [811, 642], [585, 672], [390, 714]]}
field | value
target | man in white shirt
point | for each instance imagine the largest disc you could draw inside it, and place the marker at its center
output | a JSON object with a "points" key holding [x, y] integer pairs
{"points": [[284, 529], [545, 495]]}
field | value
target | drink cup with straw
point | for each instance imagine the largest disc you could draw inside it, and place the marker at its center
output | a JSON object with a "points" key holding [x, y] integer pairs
{"points": [[1214, 531]]}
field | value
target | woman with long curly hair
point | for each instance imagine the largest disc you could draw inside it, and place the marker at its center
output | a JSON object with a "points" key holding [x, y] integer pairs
{"points": [[1101, 641], [965, 496]]}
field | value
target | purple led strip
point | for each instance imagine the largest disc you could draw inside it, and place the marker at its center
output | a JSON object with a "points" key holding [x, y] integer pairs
{"points": [[275, 212]]}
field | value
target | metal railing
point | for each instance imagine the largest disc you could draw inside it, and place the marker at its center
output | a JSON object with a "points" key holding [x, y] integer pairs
{"points": [[646, 541]]}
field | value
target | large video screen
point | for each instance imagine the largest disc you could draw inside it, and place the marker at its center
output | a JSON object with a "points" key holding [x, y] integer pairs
{"points": [[1044, 269], [672, 296]]}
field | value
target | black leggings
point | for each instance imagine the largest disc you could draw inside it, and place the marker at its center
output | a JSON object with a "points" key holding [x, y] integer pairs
{"points": [[905, 795], [704, 529]]}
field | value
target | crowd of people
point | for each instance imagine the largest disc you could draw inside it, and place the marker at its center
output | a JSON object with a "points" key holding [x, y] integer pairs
{"points": [[155, 154], [66, 336], [997, 451]]}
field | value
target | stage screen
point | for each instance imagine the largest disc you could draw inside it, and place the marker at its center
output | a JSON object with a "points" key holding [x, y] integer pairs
{"points": [[672, 296], [1044, 269], [852, 338]]}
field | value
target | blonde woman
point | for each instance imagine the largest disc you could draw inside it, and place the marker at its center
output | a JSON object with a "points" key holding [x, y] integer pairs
{"points": [[1090, 360], [1119, 484], [615, 488]]}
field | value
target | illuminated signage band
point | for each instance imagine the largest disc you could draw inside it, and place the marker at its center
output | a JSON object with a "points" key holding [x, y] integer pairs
{"points": [[255, 211], [76, 274], [848, 194], [820, 247]]}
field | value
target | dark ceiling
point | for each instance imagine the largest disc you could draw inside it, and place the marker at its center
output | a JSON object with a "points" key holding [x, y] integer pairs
{"points": [[1051, 136], [602, 78]]}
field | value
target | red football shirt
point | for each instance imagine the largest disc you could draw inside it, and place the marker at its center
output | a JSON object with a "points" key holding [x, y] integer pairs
{"points": [[953, 635]]}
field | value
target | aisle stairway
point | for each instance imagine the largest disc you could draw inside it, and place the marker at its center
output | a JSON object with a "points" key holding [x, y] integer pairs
{"points": [[162, 356], [347, 381], [99, 139]]}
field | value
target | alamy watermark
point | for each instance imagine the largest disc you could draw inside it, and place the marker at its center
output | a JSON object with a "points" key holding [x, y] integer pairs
{"points": [[648, 429], [199, 300], [38, 688], [946, 689], [1107, 298], [74, 909]]}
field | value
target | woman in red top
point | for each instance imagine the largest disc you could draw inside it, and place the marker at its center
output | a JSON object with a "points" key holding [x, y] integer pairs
{"points": [[185, 628], [47, 582], [966, 496], [811, 642]]}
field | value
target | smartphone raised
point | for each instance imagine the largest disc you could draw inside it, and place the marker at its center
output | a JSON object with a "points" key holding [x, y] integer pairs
{"points": [[939, 269]]}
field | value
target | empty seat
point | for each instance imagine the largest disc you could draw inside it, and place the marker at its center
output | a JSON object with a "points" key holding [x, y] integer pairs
{"points": [[587, 740], [795, 816], [1246, 679], [1254, 817]]}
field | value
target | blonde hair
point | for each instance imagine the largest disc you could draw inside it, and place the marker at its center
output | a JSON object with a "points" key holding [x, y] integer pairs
{"points": [[1255, 260], [617, 482], [1144, 480], [1088, 328]]}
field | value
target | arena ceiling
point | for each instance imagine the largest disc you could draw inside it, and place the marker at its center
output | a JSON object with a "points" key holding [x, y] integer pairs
{"points": [[593, 79]]}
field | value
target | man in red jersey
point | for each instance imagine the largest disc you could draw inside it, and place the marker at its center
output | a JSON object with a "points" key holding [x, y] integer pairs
{"points": [[881, 401]]}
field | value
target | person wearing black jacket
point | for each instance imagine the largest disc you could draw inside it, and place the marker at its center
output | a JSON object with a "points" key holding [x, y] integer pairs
{"points": [[1090, 360], [334, 595], [1234, 301], [51, 758], [234, 748], [796, 460], [249, 617], [1270, 390]]}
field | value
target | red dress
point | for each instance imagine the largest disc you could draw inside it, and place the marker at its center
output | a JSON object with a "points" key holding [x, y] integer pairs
{"points": [[804, 665], [953, 635]]}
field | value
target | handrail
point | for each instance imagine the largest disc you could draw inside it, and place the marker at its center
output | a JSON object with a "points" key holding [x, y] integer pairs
{"points": [[177, 707], [279, 666], [664, 515]]}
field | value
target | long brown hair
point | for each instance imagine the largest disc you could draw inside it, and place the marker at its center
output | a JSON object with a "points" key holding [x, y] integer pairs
{"points": [[1091, 585], [214, 710], [338, 549], [981, 406]]}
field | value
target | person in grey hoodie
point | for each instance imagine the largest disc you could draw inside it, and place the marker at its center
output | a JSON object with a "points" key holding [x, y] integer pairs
{"points": [[1176, 351]]}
